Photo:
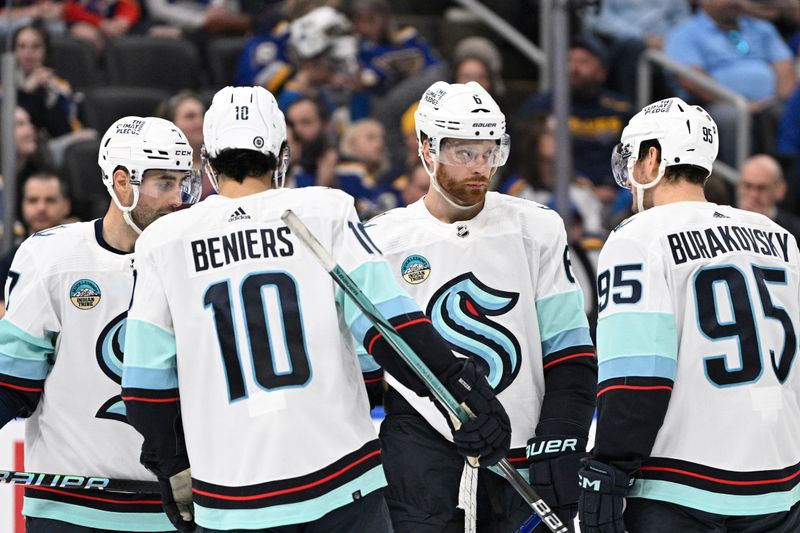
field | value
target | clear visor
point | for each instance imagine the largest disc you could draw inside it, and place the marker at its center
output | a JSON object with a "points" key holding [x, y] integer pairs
{"points": [[621, 160], [488, 153], [183, 186]]}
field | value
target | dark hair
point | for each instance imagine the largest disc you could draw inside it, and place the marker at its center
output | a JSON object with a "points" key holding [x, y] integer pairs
{"points": [[237, 164], [63, 186], [690, 173], [39, 28], [323, 112], [169, 107]]}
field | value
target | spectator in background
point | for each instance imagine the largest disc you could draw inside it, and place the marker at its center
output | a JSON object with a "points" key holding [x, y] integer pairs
{"points": [[47, 98], [196, 17], [414, 185], [761, 188], [314, 160], [533, 175], [265, 59], [98, 20], [31, 156], [598, 115], [478, 59], [45, 203], [788, 142], [629, 27], [186, 110], [24, 12], [323, 53], [363, 167], [743, 54], [387, 54]]}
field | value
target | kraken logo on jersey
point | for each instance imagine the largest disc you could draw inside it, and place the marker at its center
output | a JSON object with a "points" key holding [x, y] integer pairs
{"points": [[460, 312], [110, 356], [84, 294]]}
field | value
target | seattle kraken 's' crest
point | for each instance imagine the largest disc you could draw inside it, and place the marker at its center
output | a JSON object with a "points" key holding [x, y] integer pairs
{"points": [[109, 353], [460, 312]]}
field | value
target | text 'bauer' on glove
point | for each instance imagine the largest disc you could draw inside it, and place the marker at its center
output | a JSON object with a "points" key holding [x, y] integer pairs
{"points": [[554, 461], [176, 495], [602, 499], [488, 435]]}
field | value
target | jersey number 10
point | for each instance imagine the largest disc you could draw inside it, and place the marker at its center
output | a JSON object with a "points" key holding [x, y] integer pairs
{"points": [[219, 298]]}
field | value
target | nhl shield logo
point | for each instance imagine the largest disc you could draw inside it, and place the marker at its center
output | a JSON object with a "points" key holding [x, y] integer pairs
{"points": [[84, 294], [415, 269]]}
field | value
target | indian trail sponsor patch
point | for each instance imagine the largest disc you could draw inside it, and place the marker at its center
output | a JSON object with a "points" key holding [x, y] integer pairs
{"points": [[415, 269], [84, 294]]}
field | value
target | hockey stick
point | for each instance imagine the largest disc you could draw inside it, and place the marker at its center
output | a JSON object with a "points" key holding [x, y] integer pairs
{"points": [[64, 481], [436, 387]]}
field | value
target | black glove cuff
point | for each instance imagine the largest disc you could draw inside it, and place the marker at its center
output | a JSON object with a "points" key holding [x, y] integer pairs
{"points": [[603, 479]]}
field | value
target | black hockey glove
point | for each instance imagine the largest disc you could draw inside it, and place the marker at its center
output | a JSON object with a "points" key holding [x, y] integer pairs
{"points": [[176, 497], [554, 463], [488, 435], [602, 499]]}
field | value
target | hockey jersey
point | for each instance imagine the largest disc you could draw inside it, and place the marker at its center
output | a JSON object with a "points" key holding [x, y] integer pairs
{"points": [[698, 327], [61, 340], [499, 288], [234, 315]]}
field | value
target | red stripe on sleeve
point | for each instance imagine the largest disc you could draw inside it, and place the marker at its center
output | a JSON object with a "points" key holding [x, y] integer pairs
{"points": [[399, 327]]}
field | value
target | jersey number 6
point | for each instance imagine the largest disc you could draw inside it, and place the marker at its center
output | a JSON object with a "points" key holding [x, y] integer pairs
{"points": [[257, 324]]}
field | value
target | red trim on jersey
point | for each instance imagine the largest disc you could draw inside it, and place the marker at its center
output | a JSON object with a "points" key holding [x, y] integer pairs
{"points": [[373, 380], [634, 387], [567, 357], [95, 498], [516, 459], [17, 387], [287, 491], [718, 480], [398, 327], [471, 308], [149, 400]]}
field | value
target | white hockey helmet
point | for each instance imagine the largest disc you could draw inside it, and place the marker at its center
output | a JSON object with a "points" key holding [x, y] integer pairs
{"points": [[140, 144], [319, 31], [245, 118], [687, 135], [460, 111]]}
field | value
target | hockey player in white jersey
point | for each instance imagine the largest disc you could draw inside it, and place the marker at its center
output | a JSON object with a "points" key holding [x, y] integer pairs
{"points": [[240, 369], [699, 420], [493, 274], [67, 296]]}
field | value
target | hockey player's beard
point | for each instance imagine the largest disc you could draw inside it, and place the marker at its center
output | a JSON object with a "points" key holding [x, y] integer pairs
{"points": [[465, 191], [144, 216]]}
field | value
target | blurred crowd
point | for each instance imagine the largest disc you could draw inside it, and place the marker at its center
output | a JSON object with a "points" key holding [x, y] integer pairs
{"points": [[346, 74]]}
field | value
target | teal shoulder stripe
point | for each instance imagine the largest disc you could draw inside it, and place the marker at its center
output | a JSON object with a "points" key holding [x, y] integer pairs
{"points": [[368, 363], [636, 334], [713, 502], [23, 368], [566, 339], [149, 346], [95, 518], [376, 281], [18, 343], [134, 377], [397, 306], [561, 312], [637, 366], [290, 513]]}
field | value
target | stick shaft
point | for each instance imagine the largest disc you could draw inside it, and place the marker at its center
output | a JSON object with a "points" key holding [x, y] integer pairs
{"points": [[67, 481], [422, 371]]}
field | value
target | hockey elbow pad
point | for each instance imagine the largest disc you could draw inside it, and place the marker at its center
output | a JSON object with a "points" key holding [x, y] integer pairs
{"points": [[488, 435]]}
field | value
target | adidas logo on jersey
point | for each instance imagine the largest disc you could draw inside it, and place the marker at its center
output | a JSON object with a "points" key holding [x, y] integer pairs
{"points": [[239, 214], [717, 214]]}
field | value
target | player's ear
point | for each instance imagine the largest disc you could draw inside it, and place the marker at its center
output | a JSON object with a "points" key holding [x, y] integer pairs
{"points": [[122, 182], [426, 153]]}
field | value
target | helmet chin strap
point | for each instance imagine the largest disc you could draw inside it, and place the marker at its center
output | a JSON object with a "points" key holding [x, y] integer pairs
{"points": [[641, 187], [126, 210], [435, 183]]}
